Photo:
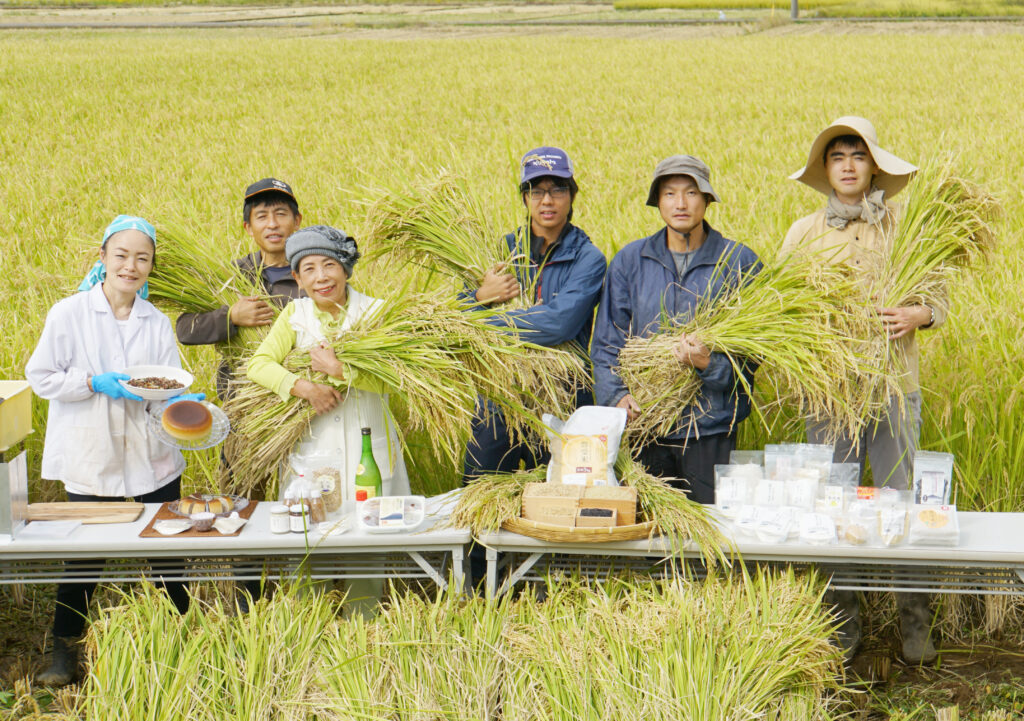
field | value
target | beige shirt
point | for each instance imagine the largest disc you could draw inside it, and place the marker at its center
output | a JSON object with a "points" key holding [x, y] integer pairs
{"points": [[854, 246]]}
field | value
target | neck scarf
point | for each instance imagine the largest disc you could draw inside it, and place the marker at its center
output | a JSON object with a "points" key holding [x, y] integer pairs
{"points": [[871, 209], [98, 272]]}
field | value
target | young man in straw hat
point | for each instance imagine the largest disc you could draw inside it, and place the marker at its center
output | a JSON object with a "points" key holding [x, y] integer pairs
{"points": [[685, 263], [860, 178], [566, 271]]}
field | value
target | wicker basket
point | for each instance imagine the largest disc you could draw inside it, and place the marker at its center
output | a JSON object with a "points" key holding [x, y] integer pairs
{"points": [[565, 534]]}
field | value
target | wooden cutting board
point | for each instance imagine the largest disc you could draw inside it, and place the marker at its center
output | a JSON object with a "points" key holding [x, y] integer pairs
{"points": [[166, 514], [95, 512]]}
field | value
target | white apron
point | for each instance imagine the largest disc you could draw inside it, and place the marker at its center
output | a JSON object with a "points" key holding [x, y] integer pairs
{"points": [[339, 430]]}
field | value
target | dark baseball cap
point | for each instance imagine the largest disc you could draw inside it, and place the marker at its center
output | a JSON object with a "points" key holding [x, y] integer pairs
{"points": [[269, 185], [682, 165], [543, 162]]}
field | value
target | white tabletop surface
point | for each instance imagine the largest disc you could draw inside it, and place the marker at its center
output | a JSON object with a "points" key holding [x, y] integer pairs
{"points": [[985, 538], [122, 540]]}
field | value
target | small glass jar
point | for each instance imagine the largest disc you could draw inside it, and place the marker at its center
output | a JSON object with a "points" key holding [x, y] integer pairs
{"points": [[298, 516], [279, 521]]}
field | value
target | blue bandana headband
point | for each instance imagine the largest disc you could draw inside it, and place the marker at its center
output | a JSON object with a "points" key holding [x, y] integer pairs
{"points": [[98, 272]]}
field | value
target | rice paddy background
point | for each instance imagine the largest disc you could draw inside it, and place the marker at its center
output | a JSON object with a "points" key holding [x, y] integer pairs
{"points": [[173, 126]]}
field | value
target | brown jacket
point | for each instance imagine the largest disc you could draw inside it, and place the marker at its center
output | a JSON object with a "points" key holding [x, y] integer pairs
{"points": [[216, 326], [853, 246]]}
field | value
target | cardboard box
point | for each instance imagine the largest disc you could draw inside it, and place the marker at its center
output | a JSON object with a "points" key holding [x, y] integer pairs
{"points": [[621, 499], [553, 503], [15, 412], [595, 521]]}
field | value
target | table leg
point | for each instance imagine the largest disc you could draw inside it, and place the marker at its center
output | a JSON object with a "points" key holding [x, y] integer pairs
{"points": [[459, 568], [492, 572]]}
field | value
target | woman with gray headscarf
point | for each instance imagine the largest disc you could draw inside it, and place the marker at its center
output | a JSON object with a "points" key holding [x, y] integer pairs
{"points": [[322, 261]]}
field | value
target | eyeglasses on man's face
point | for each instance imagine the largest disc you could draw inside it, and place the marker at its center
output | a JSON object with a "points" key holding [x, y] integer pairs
{"points": [[556, 192]]}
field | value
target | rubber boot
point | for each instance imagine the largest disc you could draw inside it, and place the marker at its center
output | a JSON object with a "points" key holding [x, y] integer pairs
{"points": [[63, 663], [915, 627], [846, 607]]}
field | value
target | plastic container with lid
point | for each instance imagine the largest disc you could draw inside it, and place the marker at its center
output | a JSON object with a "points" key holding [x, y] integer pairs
{"points": [[279, 522], [391, 514]]}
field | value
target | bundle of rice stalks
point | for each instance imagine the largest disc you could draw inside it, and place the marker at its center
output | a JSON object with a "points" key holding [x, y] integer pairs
{"points": [[793, 320], [438, 358], [675, 516], [197, 274], [438, 224], [490, 500], [944, 227]]}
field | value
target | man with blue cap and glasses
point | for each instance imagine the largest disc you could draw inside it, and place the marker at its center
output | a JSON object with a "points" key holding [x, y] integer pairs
{"points": [[564, 274]]}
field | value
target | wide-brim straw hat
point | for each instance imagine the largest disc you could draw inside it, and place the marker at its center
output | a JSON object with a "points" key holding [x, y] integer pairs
{"points": [[893, 173]]}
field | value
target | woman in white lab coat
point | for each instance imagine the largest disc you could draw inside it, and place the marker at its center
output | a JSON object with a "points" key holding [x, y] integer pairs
{"points": [[97, 441]]}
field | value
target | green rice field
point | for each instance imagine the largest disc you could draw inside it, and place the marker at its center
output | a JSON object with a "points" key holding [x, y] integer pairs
{"points": [[173, 124]]}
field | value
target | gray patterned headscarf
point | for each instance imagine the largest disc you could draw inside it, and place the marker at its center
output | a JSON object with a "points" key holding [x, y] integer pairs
{"points": [[322, 240]]}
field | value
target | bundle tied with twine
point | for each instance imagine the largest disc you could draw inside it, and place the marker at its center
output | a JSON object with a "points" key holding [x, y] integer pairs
{"points": [[440, 225], [431, 353], [490, 500], [792, 322]]}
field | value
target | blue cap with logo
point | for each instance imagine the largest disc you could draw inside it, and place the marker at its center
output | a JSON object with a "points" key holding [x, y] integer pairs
{"points": [[542, 162]]}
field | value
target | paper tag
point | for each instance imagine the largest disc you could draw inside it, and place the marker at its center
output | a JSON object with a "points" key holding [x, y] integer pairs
{"points": [[834, 497], [932, 488], [867, 493], [392, 512]]}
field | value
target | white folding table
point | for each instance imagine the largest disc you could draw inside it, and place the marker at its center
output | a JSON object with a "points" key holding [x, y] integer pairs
{"points": [[429, 552], [989, 559]]}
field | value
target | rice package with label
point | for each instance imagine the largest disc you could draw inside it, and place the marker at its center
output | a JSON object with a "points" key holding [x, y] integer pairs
{"points": [[584, 447]]}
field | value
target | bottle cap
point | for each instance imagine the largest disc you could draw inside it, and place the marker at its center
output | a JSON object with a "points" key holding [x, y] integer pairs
{"points": [[366, 431], [360, 495]]}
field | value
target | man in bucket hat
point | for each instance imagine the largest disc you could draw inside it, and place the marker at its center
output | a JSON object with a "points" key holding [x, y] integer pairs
{"points": [[564, 274], [685, 263], [860, 178]]}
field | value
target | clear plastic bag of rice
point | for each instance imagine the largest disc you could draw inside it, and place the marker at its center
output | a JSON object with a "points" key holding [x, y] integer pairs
{"points": [[932, 525], [584, 447], [734, 487]]}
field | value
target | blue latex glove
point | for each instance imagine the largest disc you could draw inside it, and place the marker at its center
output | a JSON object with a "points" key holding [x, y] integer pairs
{"points": [[107, 384], [188, 397]]}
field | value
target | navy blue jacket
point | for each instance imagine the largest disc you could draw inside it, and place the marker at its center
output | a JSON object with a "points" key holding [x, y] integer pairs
{"points": [[642, 283], [568, 289]]}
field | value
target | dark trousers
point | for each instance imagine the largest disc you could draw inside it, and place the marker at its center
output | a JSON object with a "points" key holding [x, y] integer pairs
{"points": [[693, 465], [73, 598], [491, 448]]}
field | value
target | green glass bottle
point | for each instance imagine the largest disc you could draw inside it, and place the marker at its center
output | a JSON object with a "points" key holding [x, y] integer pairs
{"points": [[367, 472]]}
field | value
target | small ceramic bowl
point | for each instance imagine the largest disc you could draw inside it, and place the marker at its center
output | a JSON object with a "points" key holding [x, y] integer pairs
{"points": [[203, 521]]}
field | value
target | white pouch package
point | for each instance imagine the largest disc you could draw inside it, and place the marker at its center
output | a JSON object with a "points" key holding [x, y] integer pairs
{"points": [[817, 529], [584, 447], [932, 525], [775, 525], [734, 487], [933, 477]]}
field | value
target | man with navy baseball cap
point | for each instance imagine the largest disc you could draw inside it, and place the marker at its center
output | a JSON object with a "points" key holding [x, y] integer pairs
{"points": [[563, 280], [270, 214]]}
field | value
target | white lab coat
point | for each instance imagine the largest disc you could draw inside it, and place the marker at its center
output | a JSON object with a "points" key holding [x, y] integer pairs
{"points": [[95, 444], [339, 430]]}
